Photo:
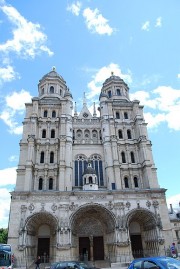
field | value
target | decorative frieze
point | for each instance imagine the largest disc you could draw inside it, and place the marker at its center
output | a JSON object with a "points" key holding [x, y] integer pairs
{"points": [[148, 204]]}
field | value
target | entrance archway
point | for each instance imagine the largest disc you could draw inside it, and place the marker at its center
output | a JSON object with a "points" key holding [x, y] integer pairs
{"points": [[41, 235], [143, 233], [92, 225]]}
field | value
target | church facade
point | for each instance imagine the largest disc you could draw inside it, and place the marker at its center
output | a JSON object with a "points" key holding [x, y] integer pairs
{"points": [[86, 184]]}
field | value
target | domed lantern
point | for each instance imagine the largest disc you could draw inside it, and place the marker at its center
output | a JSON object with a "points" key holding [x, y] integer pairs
{"points": [[90, 181]]}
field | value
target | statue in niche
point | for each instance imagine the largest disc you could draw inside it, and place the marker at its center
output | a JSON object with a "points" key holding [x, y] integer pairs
{"points": [[159, 222]]}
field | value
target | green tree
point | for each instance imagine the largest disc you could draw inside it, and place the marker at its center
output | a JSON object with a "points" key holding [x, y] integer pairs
{"points": [[3, 235]]}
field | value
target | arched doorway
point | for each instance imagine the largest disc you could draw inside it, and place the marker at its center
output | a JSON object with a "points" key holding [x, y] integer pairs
{"points": [[143, 233], [41, 235], [92, 227], [43, 247]]}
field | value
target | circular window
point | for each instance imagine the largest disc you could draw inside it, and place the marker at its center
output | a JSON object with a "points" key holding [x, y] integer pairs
{"points": [[85, 115]]}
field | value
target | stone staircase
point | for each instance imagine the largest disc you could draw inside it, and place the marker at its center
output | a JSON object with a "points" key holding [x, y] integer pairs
{"points": [[99, 264], [120, 265], [107, 265]]}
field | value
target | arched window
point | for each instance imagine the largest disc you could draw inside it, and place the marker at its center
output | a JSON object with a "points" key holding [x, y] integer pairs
{"points": [[90, 180], [129, 134], [100, 135], [109, 94], [45, 113], [40, 184], [94, 134], [42, 157], [78, 134], [50, 183], [118, 92], [123, 157], [42, 91], [43, 133], [126, 182], [132, 157], [117, 115], [52, 133], [81, 164], [126, 115], [120, 134], [86, 134], [136, 185], [51, 89], [51, 157], [53, 114]]}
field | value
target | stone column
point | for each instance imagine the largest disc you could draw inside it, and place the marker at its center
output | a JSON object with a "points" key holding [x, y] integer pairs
{"points": [[91, 248]]}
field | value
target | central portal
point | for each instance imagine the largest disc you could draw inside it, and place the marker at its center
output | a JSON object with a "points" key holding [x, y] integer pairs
{"points": [[93, 250], [91, 226]]}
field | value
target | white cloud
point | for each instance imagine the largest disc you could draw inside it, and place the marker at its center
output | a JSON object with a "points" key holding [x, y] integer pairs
{"points": [[168, 97], [8, 176], [144, 98], [7, 73], [178, 75], [13, 158], [165, 101], [5, 199], [17, 100], [28, 39], [174, 200], [96, 23], [158, 22], [14, 107], [102, 74], [154, 120], [146, 26], [75, 8]]}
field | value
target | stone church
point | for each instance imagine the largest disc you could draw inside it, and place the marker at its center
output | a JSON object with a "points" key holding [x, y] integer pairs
{"points": [[86, 182]]}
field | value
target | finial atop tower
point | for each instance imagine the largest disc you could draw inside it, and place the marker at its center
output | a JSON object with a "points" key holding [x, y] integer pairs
{"points": [[112, 73], [84, 99], [75, 110], [94, 110], [53, 68]]}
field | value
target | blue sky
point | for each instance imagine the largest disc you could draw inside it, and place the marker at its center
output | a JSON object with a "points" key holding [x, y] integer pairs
{"points": [[86, 41]]}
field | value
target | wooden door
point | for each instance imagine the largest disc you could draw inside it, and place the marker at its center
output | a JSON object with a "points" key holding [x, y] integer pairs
{"points": [[98, 248], [84, 248], [136, 245], [43, 249]]}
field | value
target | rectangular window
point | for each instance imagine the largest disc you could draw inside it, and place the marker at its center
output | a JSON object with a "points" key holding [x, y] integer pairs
{"points": [[101, 173], [76, 173], [80, 172], [113, 186], [177, 234]]}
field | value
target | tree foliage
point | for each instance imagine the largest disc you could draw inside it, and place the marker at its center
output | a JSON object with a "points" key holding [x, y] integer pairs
{"points": [[3, 236]]}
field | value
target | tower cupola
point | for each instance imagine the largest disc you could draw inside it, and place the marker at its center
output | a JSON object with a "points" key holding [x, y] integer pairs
{"points": [[52, 84], [90, 178], [114, 88]]}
